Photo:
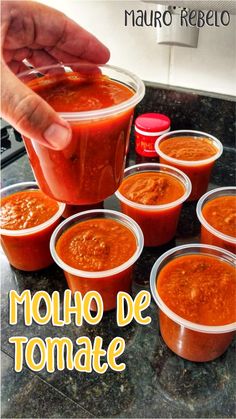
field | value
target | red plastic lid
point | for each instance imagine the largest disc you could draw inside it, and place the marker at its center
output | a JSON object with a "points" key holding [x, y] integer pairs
{"points": [[152, 122]]}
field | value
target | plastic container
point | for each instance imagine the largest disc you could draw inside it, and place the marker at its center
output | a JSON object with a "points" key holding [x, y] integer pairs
{"points": [[91, 167], [191, 341], [28, 249], [158, 222], [148, 128], [109, 282], [198, 171], [209, 235]]}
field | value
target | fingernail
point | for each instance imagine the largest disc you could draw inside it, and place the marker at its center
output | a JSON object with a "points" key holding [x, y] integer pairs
{"points": [[57, 136]]}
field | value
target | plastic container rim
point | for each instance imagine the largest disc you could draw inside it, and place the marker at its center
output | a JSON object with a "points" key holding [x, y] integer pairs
{"points": [[39, 227], [184, 197], [99, 113], [189, 163], [204, 222], [134, 227], [175, 317]]}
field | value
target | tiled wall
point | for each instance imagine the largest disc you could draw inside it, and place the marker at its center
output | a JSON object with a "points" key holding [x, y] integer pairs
{"points": [[209, 67]]}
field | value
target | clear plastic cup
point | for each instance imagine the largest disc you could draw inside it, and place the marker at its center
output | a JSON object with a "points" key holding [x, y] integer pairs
{"points": [[91, 167], [28, 249], [158, 222], [209, 234], [198, 171], [192, 341], [109, 282]]}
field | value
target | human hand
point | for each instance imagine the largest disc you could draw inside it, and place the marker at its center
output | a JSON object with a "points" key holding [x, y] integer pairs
{"points": [[43, 36]]}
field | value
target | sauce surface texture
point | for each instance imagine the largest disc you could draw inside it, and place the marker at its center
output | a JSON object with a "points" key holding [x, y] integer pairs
{"points": [[96, 245], [201, 289], [188, 148], [152, 188], [220, 213], [26, 209], [73, 92]]}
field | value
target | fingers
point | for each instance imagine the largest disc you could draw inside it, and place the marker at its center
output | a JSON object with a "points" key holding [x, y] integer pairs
{"points": [[37, 58], [75, 42], [16, 55], [31, 115], [49, 36], [17, 67], [38, 26], [40, 58]]}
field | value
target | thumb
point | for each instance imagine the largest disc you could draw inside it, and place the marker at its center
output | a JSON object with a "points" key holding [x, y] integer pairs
{"points": [[30, 114]]}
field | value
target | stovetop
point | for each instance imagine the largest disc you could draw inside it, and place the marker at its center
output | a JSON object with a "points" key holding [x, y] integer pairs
{"points": [[12, 146]]}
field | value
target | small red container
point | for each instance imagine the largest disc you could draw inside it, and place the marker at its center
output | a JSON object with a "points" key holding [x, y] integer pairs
{"points": [[148, 128]]}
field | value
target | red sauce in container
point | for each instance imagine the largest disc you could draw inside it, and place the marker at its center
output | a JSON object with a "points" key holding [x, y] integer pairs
{"points": [[96, 245], [26, 209], [196, 294], [220, 213], [188, 148], [152, 188], [28, 219], [201, 289], [154, 200], [91, 167], [98, 254], [73, 92], [193, 153], [220, 216]]}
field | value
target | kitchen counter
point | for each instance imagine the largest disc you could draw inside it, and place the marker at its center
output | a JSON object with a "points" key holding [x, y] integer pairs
{"points": [[156, 382]]}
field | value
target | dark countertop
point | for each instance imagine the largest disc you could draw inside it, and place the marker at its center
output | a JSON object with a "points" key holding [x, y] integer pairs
{"points": [[156, 382]]}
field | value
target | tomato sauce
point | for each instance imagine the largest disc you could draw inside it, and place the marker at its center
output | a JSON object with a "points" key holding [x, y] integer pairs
{"points": [[26, 209], [152, 188], [189, 149], [73, 92], [98, 245], [21, 211], [201, 289], [220, 213], [91, 167]]}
